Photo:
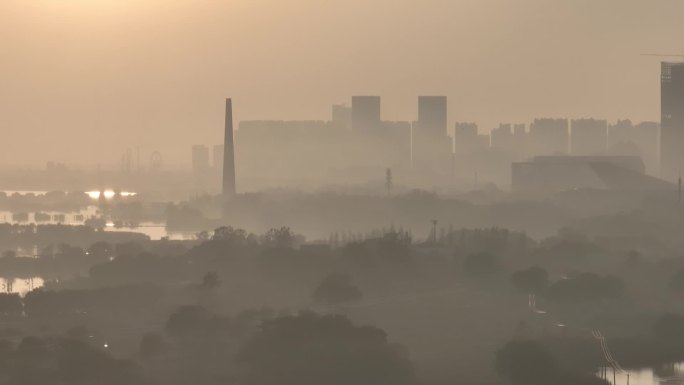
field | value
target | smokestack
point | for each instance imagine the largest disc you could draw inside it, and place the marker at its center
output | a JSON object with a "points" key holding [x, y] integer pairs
{"points": [[229, 154]]}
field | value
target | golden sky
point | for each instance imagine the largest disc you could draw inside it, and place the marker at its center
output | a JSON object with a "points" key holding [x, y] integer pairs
{"points": [[81, 80]]}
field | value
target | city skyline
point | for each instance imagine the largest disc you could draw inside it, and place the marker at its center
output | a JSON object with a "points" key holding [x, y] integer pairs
{"points": [[488, 58]]}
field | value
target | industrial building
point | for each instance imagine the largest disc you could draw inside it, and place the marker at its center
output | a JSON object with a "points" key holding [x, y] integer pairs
{"points": [[549, 174]]}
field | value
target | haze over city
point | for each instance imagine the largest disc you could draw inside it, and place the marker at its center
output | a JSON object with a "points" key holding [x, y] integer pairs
{"points": [[377, 192], [91, 78]]}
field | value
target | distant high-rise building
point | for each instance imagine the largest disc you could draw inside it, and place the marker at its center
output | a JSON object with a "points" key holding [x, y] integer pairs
{"points": [[432, 116], [519, 130], [548, 137], [229, 189], [200, 167], [520, 139], [620, 135], [502, 137], [217, 159], [342, 116], [588, 137], [432, 148], [672, 120], [467, 140], [200, 159], [365, 114], [625, 138], [647, 135]]}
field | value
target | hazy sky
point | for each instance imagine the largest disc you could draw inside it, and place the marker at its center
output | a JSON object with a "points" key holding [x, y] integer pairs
{"points": [[81, 80]]}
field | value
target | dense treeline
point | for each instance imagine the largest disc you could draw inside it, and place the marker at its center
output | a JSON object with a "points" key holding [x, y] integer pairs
{"points": [[205, 311], [28, 236]]}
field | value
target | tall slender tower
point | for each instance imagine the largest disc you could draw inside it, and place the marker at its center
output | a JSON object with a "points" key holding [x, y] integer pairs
{"points": [[229, 154], [672, 120]]}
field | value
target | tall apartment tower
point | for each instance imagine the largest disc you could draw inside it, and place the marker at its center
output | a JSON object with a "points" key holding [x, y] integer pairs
{"points": [[365, 114], [672, 120], [432, 148], [200, 160], [342, 116], [432, 116], [549, 137], [588, 136], [229, 154]]}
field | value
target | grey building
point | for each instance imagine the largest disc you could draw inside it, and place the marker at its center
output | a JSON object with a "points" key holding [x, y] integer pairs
{"points": [[432, 116], [342, 116], [200, 159], [588, 137], [672, 120], [549, 137], [365, 113]]}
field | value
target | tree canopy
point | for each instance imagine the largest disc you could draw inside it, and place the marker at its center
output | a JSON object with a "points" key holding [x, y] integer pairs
{"points": [[312, 349]]}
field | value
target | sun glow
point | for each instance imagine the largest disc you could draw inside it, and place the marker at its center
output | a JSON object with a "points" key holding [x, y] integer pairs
{"points": [[110, 194]]}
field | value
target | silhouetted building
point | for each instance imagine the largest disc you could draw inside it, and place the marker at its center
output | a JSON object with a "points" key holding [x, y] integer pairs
{"points": [[217, 167], [672, 120], [200, 167], [432, 116], [229, 189], [589, 137], [502, 137], [625, 138], [279, 153], [520, 139], [365, 112], [476, 161], [508, 143], [342, 116], [200, 160], [395, 144], [647, 135], [548, 174], [467, 140], [548, 137], [432, 148]]}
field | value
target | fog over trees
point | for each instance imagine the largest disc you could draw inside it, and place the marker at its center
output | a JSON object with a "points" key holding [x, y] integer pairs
{"points": [[478, 305], [341, 192]]}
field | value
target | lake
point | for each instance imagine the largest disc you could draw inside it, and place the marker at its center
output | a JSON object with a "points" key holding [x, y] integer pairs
{"points": [[154, 230], [670, 374], [20, 286]]}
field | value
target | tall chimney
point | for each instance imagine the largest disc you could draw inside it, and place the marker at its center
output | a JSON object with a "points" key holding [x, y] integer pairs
{"points": [[229, 154]]}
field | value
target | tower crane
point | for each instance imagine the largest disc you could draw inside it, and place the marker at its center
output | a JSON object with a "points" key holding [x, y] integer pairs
{"points": [[681, 55]]}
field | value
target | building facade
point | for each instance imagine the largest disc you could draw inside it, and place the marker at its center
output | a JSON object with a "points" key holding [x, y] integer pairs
{"points": [[672, 120]]}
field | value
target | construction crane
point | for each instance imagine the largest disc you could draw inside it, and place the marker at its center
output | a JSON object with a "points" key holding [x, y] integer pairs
{"points": [[681, 55]]}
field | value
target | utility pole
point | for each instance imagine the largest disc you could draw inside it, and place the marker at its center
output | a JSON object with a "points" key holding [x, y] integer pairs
{"points": [[434, 230], [388, 181]]}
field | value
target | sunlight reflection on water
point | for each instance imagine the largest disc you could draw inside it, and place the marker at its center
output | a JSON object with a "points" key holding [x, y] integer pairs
{"points": [[20, 285], [670, 374]]}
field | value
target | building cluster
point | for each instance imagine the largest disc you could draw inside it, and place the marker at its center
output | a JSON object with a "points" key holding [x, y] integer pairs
{"points": [[207, 168], [219, 174], [357, 145]]}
